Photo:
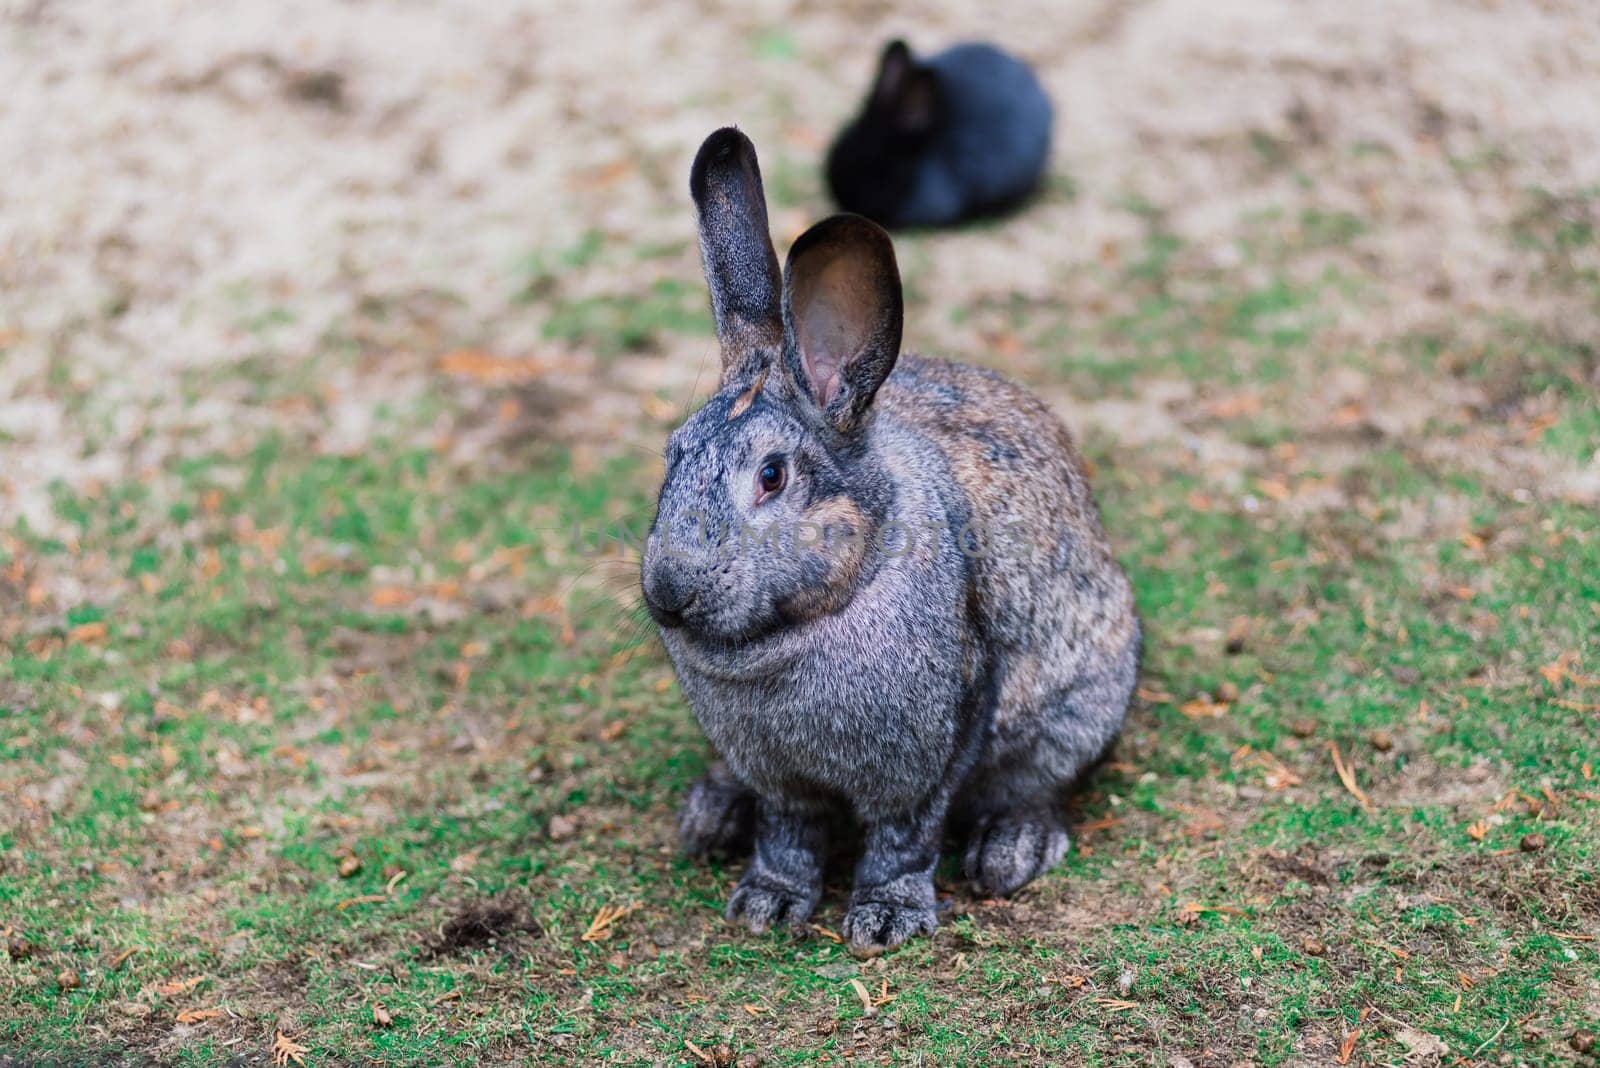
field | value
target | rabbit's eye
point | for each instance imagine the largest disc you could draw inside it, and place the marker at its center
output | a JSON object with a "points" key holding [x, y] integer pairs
{"points": [[770, 479]]}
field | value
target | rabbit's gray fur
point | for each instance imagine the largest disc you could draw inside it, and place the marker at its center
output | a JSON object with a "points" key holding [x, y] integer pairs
{"points": [[915, 687]]}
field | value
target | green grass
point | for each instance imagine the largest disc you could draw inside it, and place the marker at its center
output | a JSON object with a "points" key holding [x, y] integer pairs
{"points": [[285, 729]]}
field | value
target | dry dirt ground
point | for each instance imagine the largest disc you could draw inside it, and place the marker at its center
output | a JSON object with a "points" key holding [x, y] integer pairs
{"points": [[316, 321]]}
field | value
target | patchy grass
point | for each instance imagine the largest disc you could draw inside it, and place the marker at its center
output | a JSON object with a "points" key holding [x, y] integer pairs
{"points": [[356, 748]]}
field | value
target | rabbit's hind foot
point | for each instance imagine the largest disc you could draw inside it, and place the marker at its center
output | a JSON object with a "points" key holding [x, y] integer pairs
{"points": [[718, 816], [1009, 849]]}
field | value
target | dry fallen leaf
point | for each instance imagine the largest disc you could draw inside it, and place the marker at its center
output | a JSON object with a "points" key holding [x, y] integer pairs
{"points": [[87, 633], [1275, 489], [1192, 911], [1348, 1046], [1477, 830], [1204, 708], [190, 1016], [286, 1049], [1559, 668], [1278, 776], [488, 368], [866, 999], [600, 927], [1396, 950], [1538, 426], [180, 986], [391, 597], [1234, 406]]}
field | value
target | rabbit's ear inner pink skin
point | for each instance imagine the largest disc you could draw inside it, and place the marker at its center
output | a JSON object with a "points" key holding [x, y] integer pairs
{"points": [[843, 315], [736, 249]]}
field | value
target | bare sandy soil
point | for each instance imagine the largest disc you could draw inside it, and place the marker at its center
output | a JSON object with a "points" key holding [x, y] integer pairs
{"points": [[196, 184]]}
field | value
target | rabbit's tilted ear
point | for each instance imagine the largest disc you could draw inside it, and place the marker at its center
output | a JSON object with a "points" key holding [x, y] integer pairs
{"points": [[842, 315], [894, 68], [736, 249], [906, 92]]}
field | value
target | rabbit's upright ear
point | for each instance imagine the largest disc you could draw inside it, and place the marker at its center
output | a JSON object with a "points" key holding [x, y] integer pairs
{"points": [[894, 67], [736, 249], [842, 314], [905, 93]]}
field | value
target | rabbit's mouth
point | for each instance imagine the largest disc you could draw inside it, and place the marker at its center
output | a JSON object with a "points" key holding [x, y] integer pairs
{"points": [[754, 652], [706, 634], [711, 637]]}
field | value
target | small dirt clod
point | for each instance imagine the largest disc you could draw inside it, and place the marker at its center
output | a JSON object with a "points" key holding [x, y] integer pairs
{"points": [[1313, 948], [349, 865], [481, 925], [19, 949], [1532, 843], [1382, 741], [68, 980], [1304, 727]]}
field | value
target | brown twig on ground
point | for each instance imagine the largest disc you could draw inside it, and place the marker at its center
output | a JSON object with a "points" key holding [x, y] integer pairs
{"points": [[1347, 775]]}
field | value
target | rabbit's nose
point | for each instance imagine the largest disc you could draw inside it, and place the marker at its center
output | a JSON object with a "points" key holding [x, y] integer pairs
{"points": [[666, 596]]}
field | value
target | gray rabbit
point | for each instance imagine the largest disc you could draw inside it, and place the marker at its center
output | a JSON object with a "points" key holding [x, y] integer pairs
{"points": [[883, 583]]}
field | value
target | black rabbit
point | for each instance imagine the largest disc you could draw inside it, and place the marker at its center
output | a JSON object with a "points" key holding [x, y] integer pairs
{"points": [[963, 134]]}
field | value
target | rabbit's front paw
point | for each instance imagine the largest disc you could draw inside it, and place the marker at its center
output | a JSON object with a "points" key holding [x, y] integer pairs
{"points": [[763, 904], [875, 926]]}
